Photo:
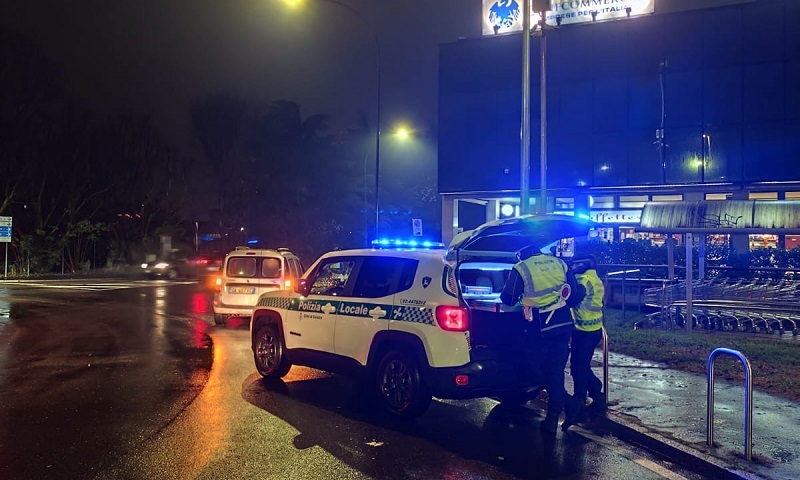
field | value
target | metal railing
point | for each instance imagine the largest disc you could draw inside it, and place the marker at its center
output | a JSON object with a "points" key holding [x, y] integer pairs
{"points": [[748, 400], [605, 364]]}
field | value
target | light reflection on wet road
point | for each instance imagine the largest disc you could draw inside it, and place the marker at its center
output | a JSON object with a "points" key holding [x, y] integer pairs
{"points": [[112, 384]]}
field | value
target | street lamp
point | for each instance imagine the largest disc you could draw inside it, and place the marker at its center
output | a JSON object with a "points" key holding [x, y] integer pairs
{"points": [[357, 14]]}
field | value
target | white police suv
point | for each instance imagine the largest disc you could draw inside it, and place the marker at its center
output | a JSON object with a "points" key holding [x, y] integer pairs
{"points": [[417, 321]]}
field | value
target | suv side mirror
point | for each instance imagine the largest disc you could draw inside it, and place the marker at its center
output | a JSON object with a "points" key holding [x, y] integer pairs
{"points": [[302, 287]]}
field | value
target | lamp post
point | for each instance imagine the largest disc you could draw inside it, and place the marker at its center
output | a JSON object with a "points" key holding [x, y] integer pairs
{"points": [[361, 18], [541, 6]]}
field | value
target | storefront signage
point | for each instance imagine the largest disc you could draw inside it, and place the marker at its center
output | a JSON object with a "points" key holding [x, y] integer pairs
{"points": [[616, 216], [503, 16]]}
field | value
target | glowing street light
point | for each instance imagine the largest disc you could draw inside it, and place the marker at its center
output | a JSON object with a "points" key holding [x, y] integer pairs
{"points": [[403, 132]]}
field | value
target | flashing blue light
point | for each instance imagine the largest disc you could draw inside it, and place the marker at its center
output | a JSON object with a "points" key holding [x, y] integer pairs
{"points": [[252, 241], [583, 215], [400, 243]]}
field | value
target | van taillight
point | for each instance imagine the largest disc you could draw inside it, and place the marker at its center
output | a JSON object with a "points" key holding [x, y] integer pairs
{"points": [[218, 284], [454, 319]]}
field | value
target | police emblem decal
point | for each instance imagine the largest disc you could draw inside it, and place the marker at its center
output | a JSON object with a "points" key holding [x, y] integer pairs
{"points": [[426, 281]]}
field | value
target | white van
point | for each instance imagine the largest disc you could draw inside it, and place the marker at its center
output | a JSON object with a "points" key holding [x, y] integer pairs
{"points": [[249, 272]]}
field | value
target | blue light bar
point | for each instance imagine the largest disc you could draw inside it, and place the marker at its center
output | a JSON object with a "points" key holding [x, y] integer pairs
{"points": [[401, 243]]}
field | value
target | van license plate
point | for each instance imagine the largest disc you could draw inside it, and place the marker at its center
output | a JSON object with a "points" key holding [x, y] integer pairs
{"points": [[242, 290]]}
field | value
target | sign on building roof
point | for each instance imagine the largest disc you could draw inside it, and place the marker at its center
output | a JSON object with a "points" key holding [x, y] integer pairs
{"points": [[503, 16]]}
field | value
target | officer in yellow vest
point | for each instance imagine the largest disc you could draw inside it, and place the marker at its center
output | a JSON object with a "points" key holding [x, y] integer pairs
{"points": [[588, 320], [546, 289]]}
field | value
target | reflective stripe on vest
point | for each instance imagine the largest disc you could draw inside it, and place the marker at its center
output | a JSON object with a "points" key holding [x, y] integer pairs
{"points": [[588, 316], [550, 274]]}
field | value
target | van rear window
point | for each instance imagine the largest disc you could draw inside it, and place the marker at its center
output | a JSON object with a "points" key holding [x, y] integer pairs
{"points": [[271, 268], [242, 267]]}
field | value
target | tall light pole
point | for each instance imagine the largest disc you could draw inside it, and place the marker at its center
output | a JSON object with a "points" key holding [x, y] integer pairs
{"points": [[541, 6], [525, 130], [362, 19]]}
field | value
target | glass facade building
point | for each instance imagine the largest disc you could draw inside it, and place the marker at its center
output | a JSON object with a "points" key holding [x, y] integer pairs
{"points": [[702, 104]]}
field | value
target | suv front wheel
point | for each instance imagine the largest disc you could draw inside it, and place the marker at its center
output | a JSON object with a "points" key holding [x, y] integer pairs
{"points": [[269, 352], [400, 385]]}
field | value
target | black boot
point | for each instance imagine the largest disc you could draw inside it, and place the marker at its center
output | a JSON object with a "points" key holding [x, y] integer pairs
{"points": [[598, 407], [573, 412]]}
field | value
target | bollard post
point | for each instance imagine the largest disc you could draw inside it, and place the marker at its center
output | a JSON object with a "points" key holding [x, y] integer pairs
{"points": [[748, 400], [624, 293]]}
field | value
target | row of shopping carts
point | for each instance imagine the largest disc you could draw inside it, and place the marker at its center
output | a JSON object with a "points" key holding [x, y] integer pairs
{"points": [[760, 305]]}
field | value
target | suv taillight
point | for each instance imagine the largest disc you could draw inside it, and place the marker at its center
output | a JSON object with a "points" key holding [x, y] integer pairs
{"points": [[454, 319]]}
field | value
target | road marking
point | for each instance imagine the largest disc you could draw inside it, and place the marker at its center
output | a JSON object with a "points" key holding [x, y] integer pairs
{"points": [[91, 286], [630, 455]]}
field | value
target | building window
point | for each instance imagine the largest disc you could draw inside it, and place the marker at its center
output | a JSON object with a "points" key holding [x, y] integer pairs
{"points": [[792, 241], [763, 241], [632, 201], [718, 196], [668, 198], [792, 196], [763, 195], [604, 234], [601, 201], [565, 203]]}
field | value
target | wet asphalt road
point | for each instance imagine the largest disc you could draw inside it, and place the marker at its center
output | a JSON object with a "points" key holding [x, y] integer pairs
{"points": [[132, 380]]}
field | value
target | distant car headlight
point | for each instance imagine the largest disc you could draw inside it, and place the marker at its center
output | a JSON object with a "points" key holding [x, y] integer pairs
{"points": [[162, 265], [144, 265]]}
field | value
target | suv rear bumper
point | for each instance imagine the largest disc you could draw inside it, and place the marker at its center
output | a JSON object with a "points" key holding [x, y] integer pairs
{"points": [[486, 378]]}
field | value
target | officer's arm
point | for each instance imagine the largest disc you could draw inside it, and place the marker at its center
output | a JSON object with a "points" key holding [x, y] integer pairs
{"points": [[513, 288], [578, 290]]}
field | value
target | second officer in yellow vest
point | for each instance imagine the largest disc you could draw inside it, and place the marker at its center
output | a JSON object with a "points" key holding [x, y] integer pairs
{"points": [[588, 320], [546, 289]]}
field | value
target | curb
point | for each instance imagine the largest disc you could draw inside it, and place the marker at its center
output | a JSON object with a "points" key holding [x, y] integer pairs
{"points": [[693, 459]]}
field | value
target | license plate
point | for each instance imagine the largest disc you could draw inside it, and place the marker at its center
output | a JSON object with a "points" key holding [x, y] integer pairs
{"points": [[242, 290]]}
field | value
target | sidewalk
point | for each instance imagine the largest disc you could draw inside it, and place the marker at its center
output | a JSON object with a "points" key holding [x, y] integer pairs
{"points": [[667, 409]]}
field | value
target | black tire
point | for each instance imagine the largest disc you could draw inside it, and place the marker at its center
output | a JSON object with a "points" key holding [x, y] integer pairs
{"points": [[172, 274], [400, 387], [269, 352], [219, 319]]}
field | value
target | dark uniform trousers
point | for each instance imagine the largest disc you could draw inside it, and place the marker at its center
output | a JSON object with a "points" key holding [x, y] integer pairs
{"points": [[547, 360], [584, 380]]}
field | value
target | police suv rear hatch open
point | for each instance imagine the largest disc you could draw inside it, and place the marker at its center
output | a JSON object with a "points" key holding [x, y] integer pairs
{"points": [[482, 260]]}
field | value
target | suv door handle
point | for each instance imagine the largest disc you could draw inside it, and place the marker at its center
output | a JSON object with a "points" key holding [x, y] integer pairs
{"points": [[377, 313]]}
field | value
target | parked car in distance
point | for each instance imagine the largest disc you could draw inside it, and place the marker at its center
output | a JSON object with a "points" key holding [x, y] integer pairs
{"points": [[249, 272]]}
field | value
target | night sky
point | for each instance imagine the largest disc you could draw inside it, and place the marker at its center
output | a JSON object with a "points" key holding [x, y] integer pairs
{"points": [[159, 56]]}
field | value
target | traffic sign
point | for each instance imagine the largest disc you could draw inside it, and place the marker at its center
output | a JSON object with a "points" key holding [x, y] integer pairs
{"points": [[416, 225], [5, 229]]}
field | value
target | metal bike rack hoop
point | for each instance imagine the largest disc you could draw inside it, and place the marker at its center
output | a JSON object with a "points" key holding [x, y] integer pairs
{"points": [[748, 400]]}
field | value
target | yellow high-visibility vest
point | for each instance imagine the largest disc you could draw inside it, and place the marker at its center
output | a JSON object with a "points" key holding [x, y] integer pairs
{"points": [[588, 315], [543, 277]]}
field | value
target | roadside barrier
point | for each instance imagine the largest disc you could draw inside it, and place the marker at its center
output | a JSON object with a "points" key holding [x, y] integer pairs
{"points": [[748, 400]]}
